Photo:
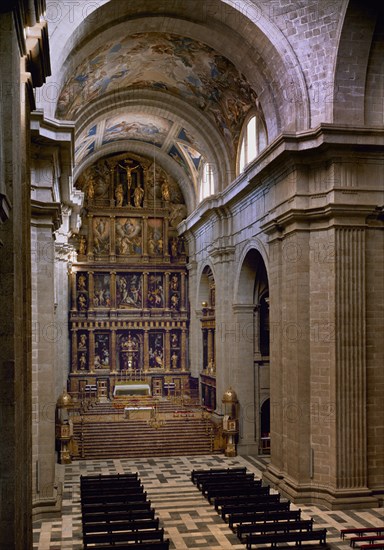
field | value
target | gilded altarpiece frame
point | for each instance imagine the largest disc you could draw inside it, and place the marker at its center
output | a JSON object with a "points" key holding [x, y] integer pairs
{"points": [[129, 313]]}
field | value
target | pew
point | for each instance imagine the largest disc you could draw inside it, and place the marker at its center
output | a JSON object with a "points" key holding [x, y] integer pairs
{"points": [[100, 478], [112, 490], [119, 537], [273, 527], [252, 492], [237, 499], [195, 474], [204, 483], [370, 539], [114, 527], [297, 537], [361, 531], [97, 507], [148, 545], [249, 518], [117, 518], [254, 507], [138, 496]]}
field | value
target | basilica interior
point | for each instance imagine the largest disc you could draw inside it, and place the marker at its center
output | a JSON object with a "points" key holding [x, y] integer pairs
{"points": [[192, 252]]}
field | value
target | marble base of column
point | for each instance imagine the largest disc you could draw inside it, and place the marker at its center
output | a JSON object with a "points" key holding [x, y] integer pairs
{"points": [[314, 493]]}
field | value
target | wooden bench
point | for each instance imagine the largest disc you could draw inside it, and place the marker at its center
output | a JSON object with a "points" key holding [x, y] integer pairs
{"points": [[111, 499], [263, 516], [107, 478], [112, 490], [244, 498], [252, 494], [255, 507], [298, 537], [148, 545], [204, 483], [126, 537], [361, 531], [370, 539], [237, 499], [112, 518], [195, 474], [114, 527], [102, 507], [377, 546], [273, 527]]}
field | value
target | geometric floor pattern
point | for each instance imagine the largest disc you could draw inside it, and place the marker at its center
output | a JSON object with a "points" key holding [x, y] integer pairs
{"points": [[189, 521]]}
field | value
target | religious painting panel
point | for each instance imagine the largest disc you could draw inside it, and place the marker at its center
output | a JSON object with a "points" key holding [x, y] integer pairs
{"points": [[155, 242], [129, 347], [156, 350], [101, 236], [129, 290], [129, 236], [102, 290], [155, 297], [102, 350]]}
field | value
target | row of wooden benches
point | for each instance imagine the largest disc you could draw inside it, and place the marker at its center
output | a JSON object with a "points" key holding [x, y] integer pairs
{"points": [[257, 516], [372, 538], [117, 514]]}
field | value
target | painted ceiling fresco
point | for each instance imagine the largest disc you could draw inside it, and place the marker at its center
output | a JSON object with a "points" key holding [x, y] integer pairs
{"points": [[181, 66], [139, 127]]}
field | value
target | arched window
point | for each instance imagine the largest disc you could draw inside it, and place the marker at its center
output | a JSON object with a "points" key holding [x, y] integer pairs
{"points": [[254, 140], [206, 182]]}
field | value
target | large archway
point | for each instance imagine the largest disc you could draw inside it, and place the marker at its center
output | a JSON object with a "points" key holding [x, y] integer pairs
{"points": [[251, 311]]}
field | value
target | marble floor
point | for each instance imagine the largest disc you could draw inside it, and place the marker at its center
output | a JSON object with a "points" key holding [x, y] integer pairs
{"points": [[187, 517]]}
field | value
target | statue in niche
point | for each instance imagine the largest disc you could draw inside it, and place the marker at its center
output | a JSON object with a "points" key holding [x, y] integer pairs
{"points": [[119, 195], [82, 282], [174, 341], [174, 360], [138, 196], [174, 247], [83, 341], [82, 245], [82, 302], [90, 190], [174, 282], [83, 361], [165, 194], [174, 301]]}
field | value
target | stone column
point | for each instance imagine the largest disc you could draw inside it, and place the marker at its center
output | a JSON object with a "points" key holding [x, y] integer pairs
{"points": [[113, 351], [167, 350], [91, 350], [166, 290], [183, 349], [350, 373], [146, 350]]}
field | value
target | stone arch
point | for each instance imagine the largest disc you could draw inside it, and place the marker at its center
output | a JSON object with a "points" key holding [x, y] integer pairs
{"points": [[203, 288], [270, 63], [253, 246], [352, 62]]}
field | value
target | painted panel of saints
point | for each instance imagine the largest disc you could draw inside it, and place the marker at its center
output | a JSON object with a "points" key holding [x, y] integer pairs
{"points": [[155, 237], [156, 350], [101, 236], [129, 290], [102, 291], [102, 353], [155, 298], [128, 236]]}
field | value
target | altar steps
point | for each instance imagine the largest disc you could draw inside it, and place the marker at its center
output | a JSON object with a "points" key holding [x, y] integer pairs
{"points": [[135, 438]]}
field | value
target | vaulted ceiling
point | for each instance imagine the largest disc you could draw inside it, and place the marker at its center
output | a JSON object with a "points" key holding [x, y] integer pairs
{"points": [[173, 81]]}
